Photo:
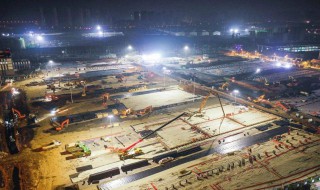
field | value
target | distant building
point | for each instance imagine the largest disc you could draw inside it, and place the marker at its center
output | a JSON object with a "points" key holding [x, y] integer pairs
{"points": [[19, 65], [10, 69], [6, 65]]}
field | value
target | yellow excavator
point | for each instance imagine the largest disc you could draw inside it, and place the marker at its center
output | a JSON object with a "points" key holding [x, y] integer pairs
{"points": [[203, 104], [224, 86], [259, 99]]}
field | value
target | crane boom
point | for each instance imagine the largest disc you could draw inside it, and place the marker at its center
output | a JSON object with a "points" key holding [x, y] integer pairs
{"points": [[221, 105], [203, 103], [162, 126]]}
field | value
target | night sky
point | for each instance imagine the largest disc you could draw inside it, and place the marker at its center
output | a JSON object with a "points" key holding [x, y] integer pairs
{"points": [[249, 10]]}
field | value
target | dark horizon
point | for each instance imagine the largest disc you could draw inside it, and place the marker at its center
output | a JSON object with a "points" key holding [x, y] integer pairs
{"points": [[190, 10]]}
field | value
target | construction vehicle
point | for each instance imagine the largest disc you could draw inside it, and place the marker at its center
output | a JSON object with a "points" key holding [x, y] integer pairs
{"points": [[78, 149], [140, 77], [266, 82], [259, 99], [105, 98], [53, 144], [283, 106], [125, 112], [165, 160], [126, 153], [293, 82], [18, 114], [203, 104], [61, 126], [224, 86], [120, 78], [51, 97], [144, 112]]}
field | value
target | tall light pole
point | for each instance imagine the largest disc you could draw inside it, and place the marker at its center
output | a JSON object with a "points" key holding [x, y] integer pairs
{"points": [[71, 95], [235, 92], [186, 50], [50, 62], [164, 77], [110, 118]]}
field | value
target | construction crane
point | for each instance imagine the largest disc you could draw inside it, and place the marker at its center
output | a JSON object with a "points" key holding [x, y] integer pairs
{"points": [[204, 102], [17, 112], [131, 152], [61, 126]]}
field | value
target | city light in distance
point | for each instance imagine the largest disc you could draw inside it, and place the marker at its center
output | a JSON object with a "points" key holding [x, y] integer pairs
{"points": [[258, 70], [151, 57], [39, 38]]}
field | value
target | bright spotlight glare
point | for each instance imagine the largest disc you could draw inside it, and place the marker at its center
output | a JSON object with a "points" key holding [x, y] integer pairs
{"points": [[236, 91], [98, 27], [258, 70], [39, 38], [236, 30], [151, 57], [288, 65], [53, 112], [130, 47], [100, 33], [186, 48], [278, 64], [14, 91]]}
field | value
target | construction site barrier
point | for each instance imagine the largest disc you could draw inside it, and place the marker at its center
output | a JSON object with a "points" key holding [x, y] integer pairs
{"points": [[104, 174], [135, 165]]}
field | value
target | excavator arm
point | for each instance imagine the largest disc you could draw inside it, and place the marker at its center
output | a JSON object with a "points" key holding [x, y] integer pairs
{"points": [[20, 116], [62, 124]]}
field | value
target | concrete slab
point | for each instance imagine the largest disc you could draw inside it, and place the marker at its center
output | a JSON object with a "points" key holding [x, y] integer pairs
{"points": [[157, 99], [178, 133], [253, 117], [218, 126]]}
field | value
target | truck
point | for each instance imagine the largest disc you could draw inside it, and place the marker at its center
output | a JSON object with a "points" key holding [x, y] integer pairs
{"points": [[78, 149], [53, 144]]}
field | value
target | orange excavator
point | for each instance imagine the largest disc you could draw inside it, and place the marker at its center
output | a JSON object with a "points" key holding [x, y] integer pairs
{"points": [[61, 126], [203, 104], [16, 112], [145, 111], [131, 152], [283, 106]]}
